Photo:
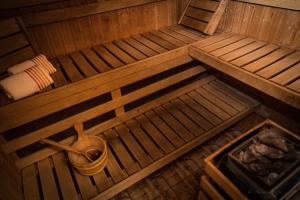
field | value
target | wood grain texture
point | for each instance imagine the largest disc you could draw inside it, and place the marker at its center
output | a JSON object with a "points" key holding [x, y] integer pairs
{"points": [[58, 15], [259, 80], [275, 25], [289, 4], [68, 36]]}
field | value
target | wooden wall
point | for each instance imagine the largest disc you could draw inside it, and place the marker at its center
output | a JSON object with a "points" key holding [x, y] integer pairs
{"points": [[70, 35], [10, 8], [276, 25], [281, 26]]}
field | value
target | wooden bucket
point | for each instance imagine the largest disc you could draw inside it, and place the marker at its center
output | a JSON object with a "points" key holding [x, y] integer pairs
{"points": [[84, 143]]}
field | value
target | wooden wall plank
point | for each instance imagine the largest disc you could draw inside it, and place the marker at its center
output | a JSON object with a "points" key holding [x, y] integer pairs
{"points": [[80, 11], [72, 35], [289, 4], [275, 25], [8, 27], [12, 43], [24, 3], [15, 57]]}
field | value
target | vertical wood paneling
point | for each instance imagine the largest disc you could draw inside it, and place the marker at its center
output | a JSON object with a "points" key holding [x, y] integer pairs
{"points": [[71, 35], [276, 25]]}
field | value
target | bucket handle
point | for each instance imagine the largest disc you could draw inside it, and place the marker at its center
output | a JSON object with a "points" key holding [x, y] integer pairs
{"points": [[79, 129], [81, 135]]}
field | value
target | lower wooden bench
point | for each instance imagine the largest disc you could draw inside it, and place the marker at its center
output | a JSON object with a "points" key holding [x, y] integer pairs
{"points": [[180, 121], [270, 68]]}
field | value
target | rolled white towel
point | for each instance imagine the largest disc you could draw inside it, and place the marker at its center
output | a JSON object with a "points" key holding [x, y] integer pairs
{"points": [[26, 83], [39, 60], [43, 61], [21, 67]]}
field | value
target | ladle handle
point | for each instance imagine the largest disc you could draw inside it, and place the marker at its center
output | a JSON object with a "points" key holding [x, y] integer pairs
{"points": [[79, 129], [61, 146]]}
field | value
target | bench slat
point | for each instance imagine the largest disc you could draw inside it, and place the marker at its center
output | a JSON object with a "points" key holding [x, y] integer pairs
{"points": [[288, 75], [83, 65], [65, 180], [72, 72], [130, 50], [48, 184], [267, 60], [30, 183], [280, 65], [98, 63], [124, 57], [142, 48]]}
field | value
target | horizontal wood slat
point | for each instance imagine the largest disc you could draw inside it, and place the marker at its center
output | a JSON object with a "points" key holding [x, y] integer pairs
{"points": [[288, 4], [9, 27], [193, 23], [12, 43], [15, 58], [80, 11], [199, 14], [205, 4], [203, 15], [24, 3]]}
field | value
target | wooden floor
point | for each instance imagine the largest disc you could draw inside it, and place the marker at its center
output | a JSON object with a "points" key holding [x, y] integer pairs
{"points": [[145, 144], [270, 68], [102, 58], [181, 179]]}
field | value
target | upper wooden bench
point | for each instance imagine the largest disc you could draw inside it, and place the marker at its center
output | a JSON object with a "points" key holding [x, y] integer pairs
{"points": [[81, 74], [270, 68]]}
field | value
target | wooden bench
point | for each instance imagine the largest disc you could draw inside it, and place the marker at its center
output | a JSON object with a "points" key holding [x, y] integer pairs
{"points": [[150, 136], [270, 68], [144, 92], [160, 108], [80, 73]]}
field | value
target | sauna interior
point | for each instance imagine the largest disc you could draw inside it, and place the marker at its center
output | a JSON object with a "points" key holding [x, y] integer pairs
{"points": [[150, 99]]}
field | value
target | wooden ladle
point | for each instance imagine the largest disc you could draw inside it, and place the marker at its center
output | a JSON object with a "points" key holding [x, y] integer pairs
{"points": [[86, 154]]}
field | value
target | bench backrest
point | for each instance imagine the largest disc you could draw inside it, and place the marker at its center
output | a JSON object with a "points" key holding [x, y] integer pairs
{"points": [[203, 15], [14, 44]]}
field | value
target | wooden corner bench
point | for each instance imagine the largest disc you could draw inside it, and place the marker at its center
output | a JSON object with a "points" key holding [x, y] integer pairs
{"points": [[160, 108], [81, 73], [270, 68], [145, 89]]}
